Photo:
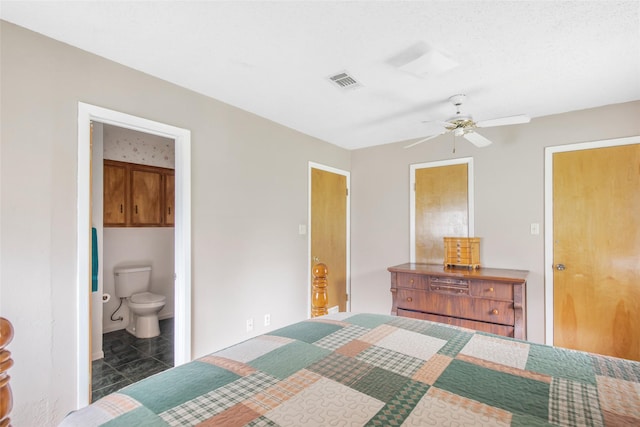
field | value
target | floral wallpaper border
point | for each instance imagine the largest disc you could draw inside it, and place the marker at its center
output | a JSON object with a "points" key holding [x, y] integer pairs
{"points": [[126, 145]]}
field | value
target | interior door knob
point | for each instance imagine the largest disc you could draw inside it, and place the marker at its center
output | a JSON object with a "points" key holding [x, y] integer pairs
{"points": [[560, 267]]}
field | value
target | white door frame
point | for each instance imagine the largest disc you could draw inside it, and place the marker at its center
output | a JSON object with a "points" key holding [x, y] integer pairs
{"points": [[346, 174], [182, 335], [548, 216], [412, 197]]}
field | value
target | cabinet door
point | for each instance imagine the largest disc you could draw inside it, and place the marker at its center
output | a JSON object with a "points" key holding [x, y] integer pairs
{"points": [[146, 203], [169, 196], [114, 195]]}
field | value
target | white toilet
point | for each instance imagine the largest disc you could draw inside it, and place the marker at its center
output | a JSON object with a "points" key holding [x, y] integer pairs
{"points": [[133, 284]]}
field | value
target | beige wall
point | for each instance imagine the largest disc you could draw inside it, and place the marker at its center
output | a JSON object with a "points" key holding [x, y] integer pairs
{"points": [[249, 193], [509, 196]]}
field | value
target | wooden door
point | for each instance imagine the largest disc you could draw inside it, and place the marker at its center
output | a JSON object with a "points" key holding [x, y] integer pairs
{"points": [[596, 250], [169, 199], [146, 200], [329, 231], [114, 178], [441, 209]]}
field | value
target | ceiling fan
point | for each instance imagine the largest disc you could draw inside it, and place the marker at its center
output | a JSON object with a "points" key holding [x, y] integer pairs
{"points": [[463, 125]]}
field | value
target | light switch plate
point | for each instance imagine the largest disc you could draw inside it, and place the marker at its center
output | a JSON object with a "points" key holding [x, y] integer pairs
{"points": [[535, 228]]}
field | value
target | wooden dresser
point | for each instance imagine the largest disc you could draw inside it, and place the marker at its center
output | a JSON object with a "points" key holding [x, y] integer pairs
{"points": [[486, 299]]}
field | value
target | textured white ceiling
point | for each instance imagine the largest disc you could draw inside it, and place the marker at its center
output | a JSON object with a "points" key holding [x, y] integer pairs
{"points": [[273, 58]]}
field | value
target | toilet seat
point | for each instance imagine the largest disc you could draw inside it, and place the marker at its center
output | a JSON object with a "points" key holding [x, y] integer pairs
{"points": [[147, 298]]}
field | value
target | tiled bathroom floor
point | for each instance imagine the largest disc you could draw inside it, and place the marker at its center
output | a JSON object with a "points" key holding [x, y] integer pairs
{"points": [[128, 359]]}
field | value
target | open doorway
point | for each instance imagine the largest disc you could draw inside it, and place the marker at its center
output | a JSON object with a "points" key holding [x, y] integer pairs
{"points": [[182, 236], [132, 218]]}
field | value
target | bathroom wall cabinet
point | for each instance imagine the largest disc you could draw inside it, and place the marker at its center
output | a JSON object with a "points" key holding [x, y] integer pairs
{"points": [[138, 195]]}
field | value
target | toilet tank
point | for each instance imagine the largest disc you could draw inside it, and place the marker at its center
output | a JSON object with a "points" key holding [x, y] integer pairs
{"points": [[131, 280]]}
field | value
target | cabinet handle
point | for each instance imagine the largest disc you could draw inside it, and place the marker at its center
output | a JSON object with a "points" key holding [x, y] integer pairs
{"points": [[494, 311], [136, 208], [409, 299], [169, 210], [121, 208]]}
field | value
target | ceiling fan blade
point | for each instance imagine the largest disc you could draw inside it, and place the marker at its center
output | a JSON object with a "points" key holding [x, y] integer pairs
{"points": [[437, 122], [477, 139], [502, 121], [423, 140]]}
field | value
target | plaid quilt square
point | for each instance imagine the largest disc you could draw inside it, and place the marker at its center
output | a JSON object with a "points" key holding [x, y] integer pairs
{"points": [[391, 360], [341, 337], [203, 407], [342, 369], [574, 404]]}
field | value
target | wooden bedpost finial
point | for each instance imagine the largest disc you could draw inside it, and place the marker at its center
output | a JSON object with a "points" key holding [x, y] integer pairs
{"points": [[319, 300], [6, 397]]}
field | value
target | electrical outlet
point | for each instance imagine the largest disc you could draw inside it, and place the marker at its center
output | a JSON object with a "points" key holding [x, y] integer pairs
{"points": [[250, 325], [267, 319]]}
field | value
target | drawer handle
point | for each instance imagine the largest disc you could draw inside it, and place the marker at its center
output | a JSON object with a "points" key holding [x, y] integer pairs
{"points": [[411, 281], [494, 311], [409, 299], [490, 289]]}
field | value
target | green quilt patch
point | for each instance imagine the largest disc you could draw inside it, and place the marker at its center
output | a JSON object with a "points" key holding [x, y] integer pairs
{"points": [[308, 332], [186, 382], [400, 405], [288, 359], [510, 392], [380, 384], [370, 321], [561, 363]]}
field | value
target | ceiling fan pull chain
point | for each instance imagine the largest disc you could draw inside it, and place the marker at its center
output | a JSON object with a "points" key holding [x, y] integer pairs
{"points": [[454, 143]]}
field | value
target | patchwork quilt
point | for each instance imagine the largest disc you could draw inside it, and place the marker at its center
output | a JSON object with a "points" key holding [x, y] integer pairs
{"points": [[375, 370]]}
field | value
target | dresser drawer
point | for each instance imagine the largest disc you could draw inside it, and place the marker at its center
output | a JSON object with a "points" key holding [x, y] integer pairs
{"points": [[492, 290], [457, 306], [507, 331], [412, 281], [449, 285]]}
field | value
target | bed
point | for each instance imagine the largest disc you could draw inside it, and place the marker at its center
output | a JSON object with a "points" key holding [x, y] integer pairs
{"points": [[370, 369]]}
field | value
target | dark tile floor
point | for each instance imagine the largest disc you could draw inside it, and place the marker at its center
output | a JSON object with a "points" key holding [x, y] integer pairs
{"points": [[128, 359]]}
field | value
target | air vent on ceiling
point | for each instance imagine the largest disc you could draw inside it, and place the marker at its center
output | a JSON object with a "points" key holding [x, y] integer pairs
{"points": [[344, 80]]}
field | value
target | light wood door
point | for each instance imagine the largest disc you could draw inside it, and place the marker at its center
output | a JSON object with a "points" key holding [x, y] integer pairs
{"points": [[596, 250], [169, 199], [329, 231], [114, 178], [441, 209], [146, 197]]}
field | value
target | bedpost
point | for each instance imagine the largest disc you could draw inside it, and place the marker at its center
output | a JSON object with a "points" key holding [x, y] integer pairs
{"points": [[6, 398], [319, 301]]}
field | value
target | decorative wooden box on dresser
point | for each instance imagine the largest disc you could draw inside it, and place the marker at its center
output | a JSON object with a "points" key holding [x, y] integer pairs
{"points": [[486, 299]]}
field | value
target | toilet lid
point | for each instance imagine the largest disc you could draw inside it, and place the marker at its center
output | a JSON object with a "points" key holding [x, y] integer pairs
{"points": [[146, 297]]}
